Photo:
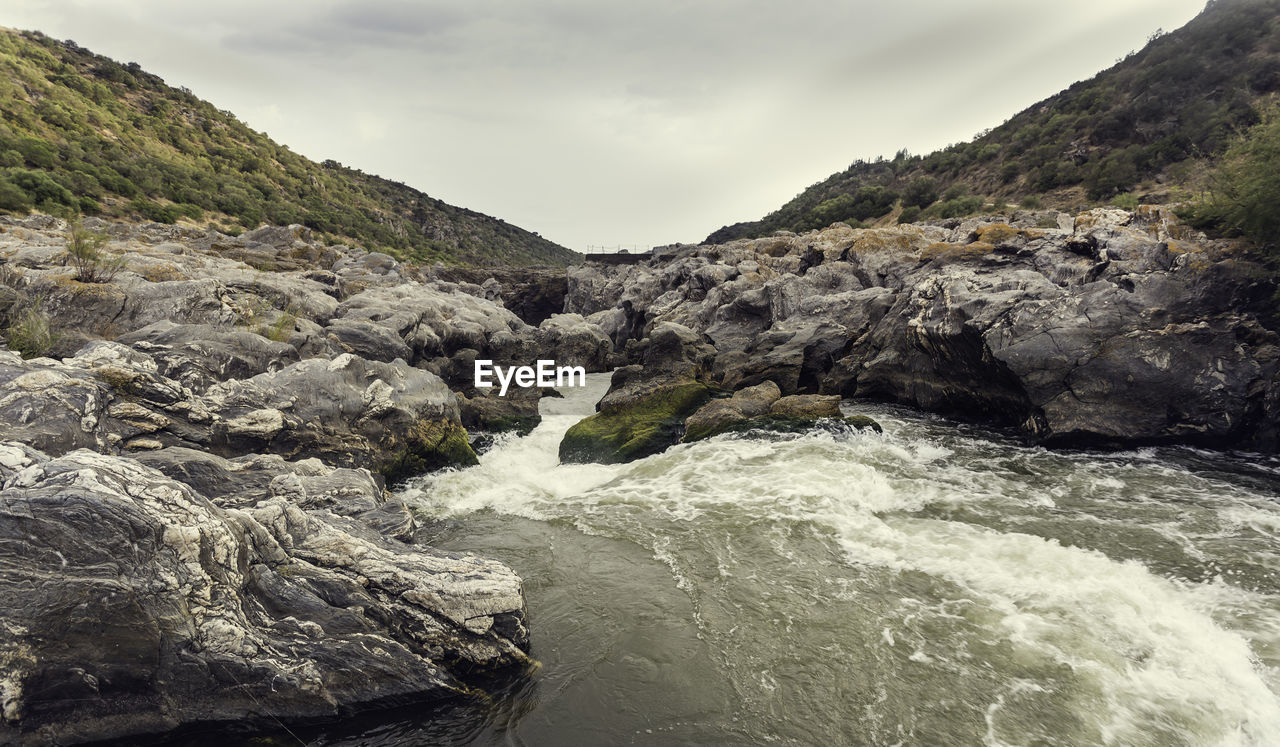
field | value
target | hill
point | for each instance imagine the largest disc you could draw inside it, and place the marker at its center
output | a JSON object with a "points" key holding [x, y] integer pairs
{"points": [[82, 133], [1146, 129]]}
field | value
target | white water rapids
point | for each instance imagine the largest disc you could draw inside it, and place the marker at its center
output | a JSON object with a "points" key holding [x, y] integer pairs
{"points": [[933, 584]]}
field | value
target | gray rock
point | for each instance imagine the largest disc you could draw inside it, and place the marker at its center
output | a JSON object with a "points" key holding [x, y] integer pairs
{"points": [[367, 340], [348, 411], [806, 406], [570, 340], [1106, 328], [198, 355], [170, 611], [50, 408]]}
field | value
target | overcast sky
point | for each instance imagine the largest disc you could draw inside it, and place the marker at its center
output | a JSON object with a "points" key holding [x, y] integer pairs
{"points": [[604, 123]]}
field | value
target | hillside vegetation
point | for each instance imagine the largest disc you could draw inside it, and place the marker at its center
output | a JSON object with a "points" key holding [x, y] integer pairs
{"points": [[80, 133], [1150, 128]]}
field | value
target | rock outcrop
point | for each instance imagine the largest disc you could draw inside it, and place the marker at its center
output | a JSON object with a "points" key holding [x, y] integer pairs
{"points": [[1105, 328], [195, 526]]}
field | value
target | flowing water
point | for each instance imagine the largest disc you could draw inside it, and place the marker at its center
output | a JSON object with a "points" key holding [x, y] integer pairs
{"points": [[934, 584]]}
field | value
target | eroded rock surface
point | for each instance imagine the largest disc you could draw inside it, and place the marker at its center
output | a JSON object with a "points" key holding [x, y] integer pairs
{"points": [[195, 526], [134, 605]]}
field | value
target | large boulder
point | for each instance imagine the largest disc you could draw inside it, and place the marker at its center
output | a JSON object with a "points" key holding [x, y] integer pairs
{"points": [[570, 340], [646, 407], [395, 419], [489, 411], [762, 408], [720, 415], [49, 407], [169, 611]]}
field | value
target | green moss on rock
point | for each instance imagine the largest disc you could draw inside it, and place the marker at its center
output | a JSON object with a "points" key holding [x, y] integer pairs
{"points": [[430, 445], [521, 424], [646, 426], [786, 424]]}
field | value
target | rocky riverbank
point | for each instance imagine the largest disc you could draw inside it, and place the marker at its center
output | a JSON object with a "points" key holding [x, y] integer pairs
{"points": [[1108, 328], [195, 457]]}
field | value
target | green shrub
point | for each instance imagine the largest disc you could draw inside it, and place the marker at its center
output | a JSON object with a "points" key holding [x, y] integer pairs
{"points": [[1246, 187], [282, 328], [154, 211], [40, 187], [30, 334], [12, 197], [909, 214], [84, 249], [1126, 201], [920, 193], [958, 207]]}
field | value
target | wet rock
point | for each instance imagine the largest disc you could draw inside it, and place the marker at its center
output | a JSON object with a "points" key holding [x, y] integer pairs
{"points": [[171, 611], [806, 406], [720, 415], [487, 411], [645, 422]]}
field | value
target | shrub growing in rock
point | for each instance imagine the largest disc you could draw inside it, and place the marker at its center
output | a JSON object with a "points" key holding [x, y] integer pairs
{"points": [[30, 334], [84, 248]]}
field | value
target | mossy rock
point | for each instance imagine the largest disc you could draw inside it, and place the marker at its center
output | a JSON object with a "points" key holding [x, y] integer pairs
{"points": [[646, 426], [790, 424], [521, 424], [430, 445]]}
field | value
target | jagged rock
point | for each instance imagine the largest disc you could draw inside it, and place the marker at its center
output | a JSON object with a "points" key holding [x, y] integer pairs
{"points": [[198, 355], [1109, 327], [170, 611]]}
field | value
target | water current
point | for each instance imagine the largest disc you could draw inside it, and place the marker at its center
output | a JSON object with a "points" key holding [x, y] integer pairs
{"points": [[934, 584]]}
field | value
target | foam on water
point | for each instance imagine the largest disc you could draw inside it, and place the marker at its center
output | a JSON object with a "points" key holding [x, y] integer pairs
{"points": [[1132, 599]]}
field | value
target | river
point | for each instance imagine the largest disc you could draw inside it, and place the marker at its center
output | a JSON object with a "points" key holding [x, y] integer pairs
{"points": [[935, 584]]}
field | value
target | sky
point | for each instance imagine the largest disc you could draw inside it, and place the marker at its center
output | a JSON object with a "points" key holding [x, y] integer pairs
{"points": [[602, 123]]}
